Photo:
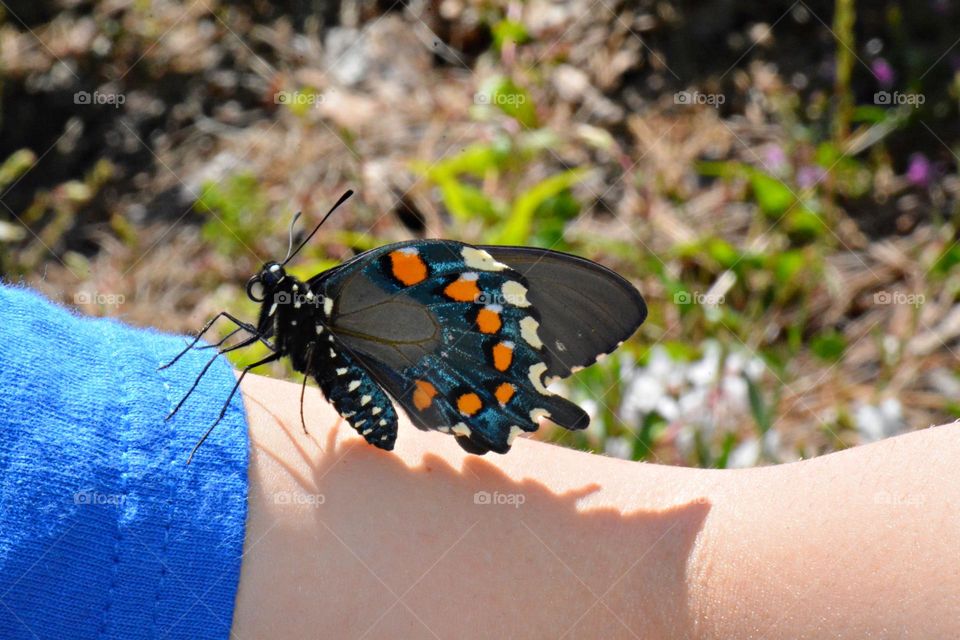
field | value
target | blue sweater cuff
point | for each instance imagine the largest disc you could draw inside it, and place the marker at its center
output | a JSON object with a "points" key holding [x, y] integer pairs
{"points": [[105, 532]]}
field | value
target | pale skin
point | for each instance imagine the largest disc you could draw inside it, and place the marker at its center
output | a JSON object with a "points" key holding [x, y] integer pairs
{"points": [[346, 541]]}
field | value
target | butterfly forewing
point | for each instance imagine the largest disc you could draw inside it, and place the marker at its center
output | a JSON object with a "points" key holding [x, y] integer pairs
{"points": [[586, 309]]}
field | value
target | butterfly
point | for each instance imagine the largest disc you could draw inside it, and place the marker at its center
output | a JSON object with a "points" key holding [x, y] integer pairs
{"points": [[464, 338]]}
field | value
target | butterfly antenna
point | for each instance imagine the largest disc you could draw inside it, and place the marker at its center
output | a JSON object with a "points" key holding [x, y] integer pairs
{"points": [[342, 199], [296, 217]]}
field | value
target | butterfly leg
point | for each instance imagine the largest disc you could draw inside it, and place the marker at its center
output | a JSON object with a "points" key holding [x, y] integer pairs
{"points": [[273, 357], [223, 314], [206, 367], [303, 387]]}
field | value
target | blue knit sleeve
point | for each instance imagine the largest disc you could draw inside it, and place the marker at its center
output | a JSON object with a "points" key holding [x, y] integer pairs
{"points": [[105, 532]]}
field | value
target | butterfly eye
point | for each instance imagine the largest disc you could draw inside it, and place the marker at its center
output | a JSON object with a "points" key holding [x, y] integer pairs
{"points": [[255, 289]]}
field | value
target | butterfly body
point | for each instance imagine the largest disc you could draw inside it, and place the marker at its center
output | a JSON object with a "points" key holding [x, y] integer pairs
{"points": [[299, 321], [464, 338]]}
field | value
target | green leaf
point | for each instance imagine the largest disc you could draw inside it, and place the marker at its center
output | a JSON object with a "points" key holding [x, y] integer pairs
{"points": [[501, 92], [644, 441], [476, 160], [552, 216], [723, 252], [729, 440], [16, 164], [465, 201], [947, 260], [509, 31], [804, 225], [787, 265], [758, 408], [871, 114], [720, 168], [772, 195], [518, 226], [829, 345], [236, 206]]}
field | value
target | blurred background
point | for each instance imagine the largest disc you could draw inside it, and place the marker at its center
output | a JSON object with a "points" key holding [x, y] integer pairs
{"points": [[779, 180]]}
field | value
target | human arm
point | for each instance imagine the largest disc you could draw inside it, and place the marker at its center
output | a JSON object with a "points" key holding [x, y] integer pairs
{"points": [[104, 530], [346, 539]]}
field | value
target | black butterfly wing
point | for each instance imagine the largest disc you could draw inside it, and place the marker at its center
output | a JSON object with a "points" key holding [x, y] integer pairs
{"points": [[586, 310], [448, 333]]}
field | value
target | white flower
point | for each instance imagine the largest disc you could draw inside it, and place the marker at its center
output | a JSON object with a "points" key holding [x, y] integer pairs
{"points": [[879, 422], [746, 454], [619, 447]]}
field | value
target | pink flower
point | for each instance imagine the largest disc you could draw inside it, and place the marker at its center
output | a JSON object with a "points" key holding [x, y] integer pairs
{"points": [[883, 72], [919, 170]]}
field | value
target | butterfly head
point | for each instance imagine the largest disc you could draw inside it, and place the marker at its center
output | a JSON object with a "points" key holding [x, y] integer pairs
{"points": [[267, 282]]}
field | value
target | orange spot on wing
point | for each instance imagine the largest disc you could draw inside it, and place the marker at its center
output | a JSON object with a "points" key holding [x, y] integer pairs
{"points": [[408, 268], [504, 392], [488, 321], [462, 290], [423, 394], [469, 404], [502, 356]]}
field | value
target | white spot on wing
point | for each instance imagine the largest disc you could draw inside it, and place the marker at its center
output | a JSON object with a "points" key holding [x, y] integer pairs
{"points": [[528, 330], [514, 432], [354, 384], [536, 375], [365, 400], [376, 410], [538, 413], [515, 293], [328, 306], [342, 371], [480, 259], [461, 429]]}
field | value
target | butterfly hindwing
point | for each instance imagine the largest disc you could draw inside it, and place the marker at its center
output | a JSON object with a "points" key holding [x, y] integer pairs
{"points": [[451, 335]]}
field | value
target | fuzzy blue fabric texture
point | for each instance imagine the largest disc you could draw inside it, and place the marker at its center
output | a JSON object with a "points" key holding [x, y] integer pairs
{"points": [[105, 531]]}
